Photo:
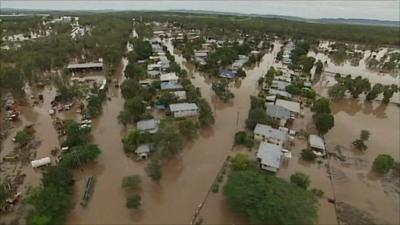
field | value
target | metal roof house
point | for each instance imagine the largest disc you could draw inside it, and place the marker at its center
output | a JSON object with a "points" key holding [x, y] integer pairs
{"points": [[293, 107], [149, 126], [279, 85], [167, 86], [267, 133], [278, 112], [317, 143], [169, 77], [180, 94], [184, 109], [270, 156]]}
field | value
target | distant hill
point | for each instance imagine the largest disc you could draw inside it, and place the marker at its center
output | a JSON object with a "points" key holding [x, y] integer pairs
{"points": [[367, 22]]}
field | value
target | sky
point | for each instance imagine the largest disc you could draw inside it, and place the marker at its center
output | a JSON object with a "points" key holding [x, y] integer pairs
{"points": [[364, 9]]}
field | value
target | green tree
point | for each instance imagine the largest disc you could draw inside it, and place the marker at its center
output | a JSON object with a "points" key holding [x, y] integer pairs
{"points": [[23, 137], [130, 88], [300, 179], [206, 117], [80, 155], [75, 135], [308, 155], [135, 107], [94, 106], [240, 162], [319, 67], [257, 115], [58, 175], [188, 128], [269, 199], [167, 98], [337, 91], [375, 91], [134, 201], [324, 122], [153, 169], [322, 105], [221, 89], [170, 141], [131, 182], [383, 163]]}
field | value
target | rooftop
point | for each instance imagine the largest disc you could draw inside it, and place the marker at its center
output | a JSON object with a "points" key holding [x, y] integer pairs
{"points": [[291, 106], [168, 77], [182, 107], [144, 148], [170, 86], [277, 111], [316, 142], [270, 154], [269, 132], [150, 124]]}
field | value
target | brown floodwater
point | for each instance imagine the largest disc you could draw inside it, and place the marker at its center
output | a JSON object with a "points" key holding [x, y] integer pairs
{"points": [[354, 181]]}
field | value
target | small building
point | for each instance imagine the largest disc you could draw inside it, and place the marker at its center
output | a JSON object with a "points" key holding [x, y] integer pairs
{"points": [[317, 144], [293, 107], [267, 133], [80, 67], [169, 77], [279, 113], [143, 151], [270, 156], [280, 93], [148, 126], [183, 109], [180, 94]]}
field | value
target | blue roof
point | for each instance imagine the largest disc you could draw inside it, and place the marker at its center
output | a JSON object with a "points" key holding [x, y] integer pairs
{"points": [[227, 73]]}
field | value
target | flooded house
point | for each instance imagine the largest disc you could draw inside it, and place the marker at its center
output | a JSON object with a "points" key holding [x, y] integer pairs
{"points": [[170, 86], [279, 113], [293, 107], [317, 144], [271, 135], [169, 77], [239, 63], [148, 126], [179, 110], [270, 156], [181, 95]]}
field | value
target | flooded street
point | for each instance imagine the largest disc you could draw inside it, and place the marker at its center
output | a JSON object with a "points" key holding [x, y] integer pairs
{"points": [[186, 180]]}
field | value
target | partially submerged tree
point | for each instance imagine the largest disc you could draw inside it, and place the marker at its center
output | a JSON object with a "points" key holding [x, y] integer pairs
{"points": [[134, 201], [153, 169], [383, 163], [131, 182], [300, 179]]}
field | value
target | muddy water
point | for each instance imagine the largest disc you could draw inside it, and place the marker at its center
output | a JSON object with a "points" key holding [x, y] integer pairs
{"points": [[354, 182], [186, 180]]}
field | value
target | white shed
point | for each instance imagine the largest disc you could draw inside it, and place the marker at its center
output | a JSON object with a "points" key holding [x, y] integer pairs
{"points": [[41, 162]]}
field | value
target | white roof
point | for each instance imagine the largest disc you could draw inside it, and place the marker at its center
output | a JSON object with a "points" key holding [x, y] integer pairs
{"points": [[40, 162], [182, 107], [144, 148], [168, 77], [270, 132], [316, 141], [150, 124], [270, 154], [291, 106]]}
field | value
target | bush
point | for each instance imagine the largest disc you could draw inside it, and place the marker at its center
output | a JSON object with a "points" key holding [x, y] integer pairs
{"points": [[240, 162], [23, 137], [242, 138], [383, 163], [153, 169], [131, 182], [300, 179], [134, 201], [318, 192], [308, 155], [215, 188]]}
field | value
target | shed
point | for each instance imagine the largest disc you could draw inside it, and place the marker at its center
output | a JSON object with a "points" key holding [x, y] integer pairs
{"points": [[169, 77], [143, 151], [85, 66], [293, 107]]}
